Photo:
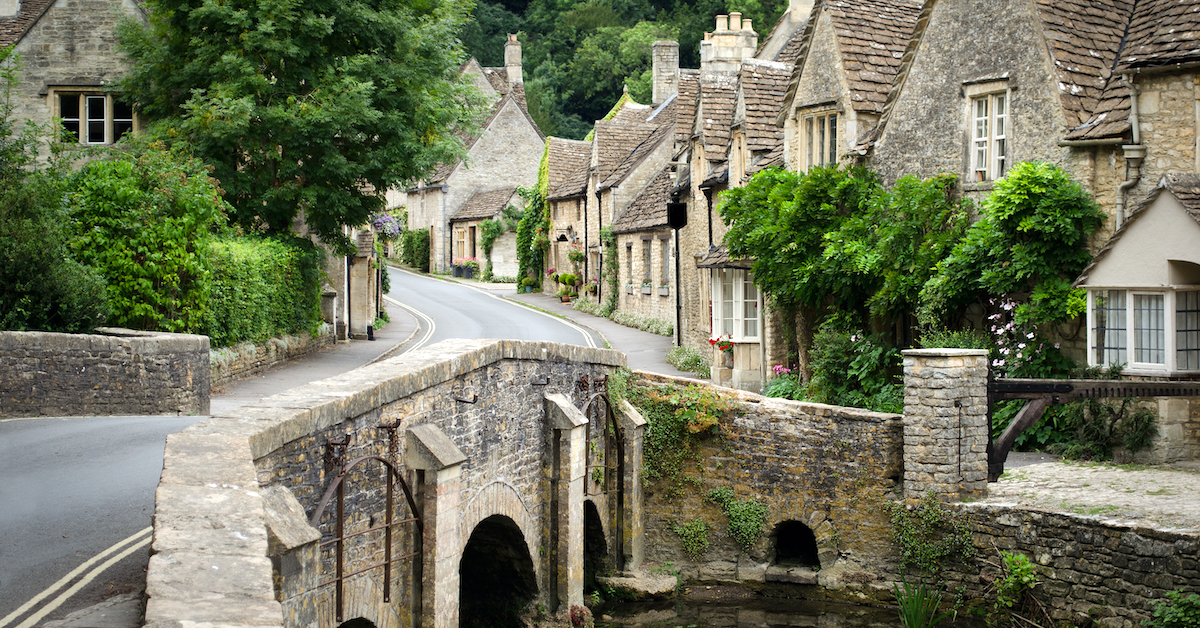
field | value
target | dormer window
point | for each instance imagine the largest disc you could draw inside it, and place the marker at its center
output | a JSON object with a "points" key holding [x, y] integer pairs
{"points": [[1149, 331]]}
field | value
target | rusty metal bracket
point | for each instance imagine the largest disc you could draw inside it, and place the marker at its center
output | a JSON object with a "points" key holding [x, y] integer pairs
{"points": [[472, 399], [335, 453], [584, 384], [543, 380]]}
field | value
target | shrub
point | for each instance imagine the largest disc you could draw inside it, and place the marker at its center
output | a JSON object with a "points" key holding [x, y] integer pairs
{"points": [[144, 219], [415, 249], [644, 323], [688, 359], [746, 516], [852, 369], [1177, 611], [263, 288]]}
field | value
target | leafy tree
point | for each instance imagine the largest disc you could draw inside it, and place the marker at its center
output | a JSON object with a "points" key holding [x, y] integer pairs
{"points": [[41, 286], [305, 107], [1032, 239], [144, 217]]}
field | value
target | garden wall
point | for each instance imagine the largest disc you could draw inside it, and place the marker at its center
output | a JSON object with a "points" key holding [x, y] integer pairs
{"points": [[112, 372], [230, 364]]}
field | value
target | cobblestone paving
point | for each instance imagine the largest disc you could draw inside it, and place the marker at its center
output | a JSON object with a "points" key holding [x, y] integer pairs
{"points": [[1157, 497]]}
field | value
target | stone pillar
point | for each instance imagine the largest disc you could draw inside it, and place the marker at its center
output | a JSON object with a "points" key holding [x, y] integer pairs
{"points": [[570, 430], [945, 423], [633, 526], [428, 449]]}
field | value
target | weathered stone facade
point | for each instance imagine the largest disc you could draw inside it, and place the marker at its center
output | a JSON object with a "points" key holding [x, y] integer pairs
{"points": [[112, 372]]}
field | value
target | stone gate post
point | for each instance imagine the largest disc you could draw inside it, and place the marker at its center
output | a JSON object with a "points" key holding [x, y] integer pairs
{"points": [[945, 423], [428, 449], [570, 431]]}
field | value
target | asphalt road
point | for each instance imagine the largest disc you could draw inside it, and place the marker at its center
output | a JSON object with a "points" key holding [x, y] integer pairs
{"points": [[77, 494]]}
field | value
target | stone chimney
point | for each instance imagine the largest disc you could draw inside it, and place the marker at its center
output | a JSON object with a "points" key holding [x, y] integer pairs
{"points": [[512, 59], [799, 9], [666, 70], [10, 8], [733, 40]]}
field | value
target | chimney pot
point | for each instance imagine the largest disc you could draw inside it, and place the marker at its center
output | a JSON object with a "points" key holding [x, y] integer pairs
{"points": [[722, 23], [512, 60], [746, 25], [735, 21]]}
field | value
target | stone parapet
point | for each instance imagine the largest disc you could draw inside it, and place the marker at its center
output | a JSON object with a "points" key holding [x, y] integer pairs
{"points": [[945, 423], [229, 364], [111, 372]]}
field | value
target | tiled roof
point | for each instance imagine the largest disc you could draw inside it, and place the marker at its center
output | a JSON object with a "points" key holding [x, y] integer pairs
{"points": [[718, 257], [1083, 37], [872, 35], [763, 85], [718, 99], [564, 157], [632, 112], [1162, 32], [649, 209], [1185, 187], [571, 168], [794, 33], [483, 205], [664, 119], [716, 177], [689, 90], [615, 142], [12, 29], [791, 51], [774, 158]]}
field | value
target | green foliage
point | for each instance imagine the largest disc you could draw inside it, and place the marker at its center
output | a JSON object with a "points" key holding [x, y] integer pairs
{"points": [[414, 250], [42, 287], [264, 288], [679, 419], [694, 537], [746, 516], [918, 605], [1032, 238], [532, 238], [785, 386], [855, 370], [688, 359], [928, 534], [1097, 426], [1017, 579], [955, 339], [611, 273], [644, 323], [144, 218], [1179, 610], [305, 107]]}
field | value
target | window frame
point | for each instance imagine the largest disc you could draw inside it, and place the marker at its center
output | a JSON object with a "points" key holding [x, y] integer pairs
{"points": [[819, 137], [740, 279], [109, 122], [995, 142], [1170, 323]]}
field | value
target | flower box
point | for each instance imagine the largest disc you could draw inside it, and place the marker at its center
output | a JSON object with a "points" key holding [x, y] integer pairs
{"points": [[458, 271], [664, 291], [647, 288], [628, 288]]}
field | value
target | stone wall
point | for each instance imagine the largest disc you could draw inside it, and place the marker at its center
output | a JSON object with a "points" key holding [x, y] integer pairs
{"points": [[1108, 571], [229, 364], [475, 435], [112, 372], [632, 298], [810, 463]]}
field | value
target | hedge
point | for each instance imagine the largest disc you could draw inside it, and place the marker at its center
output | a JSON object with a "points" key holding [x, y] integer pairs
{"points": [[264, 288]]}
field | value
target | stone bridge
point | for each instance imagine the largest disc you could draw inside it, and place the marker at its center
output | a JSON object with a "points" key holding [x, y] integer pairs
{"points": [[469, 476]]}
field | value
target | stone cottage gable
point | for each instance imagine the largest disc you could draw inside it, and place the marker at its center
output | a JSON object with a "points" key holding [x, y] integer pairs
{"points": [[1164, 228], [762, 87], [782, 44], [485, 205], [615, 142], [649, 210], [664, 118], [505, 107]]}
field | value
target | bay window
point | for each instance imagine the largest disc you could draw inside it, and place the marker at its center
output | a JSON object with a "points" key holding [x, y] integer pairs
{"points": [[736, 304], [1153, 332]]}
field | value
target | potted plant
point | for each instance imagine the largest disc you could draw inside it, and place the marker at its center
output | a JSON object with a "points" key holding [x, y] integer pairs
{"points": [[725, 346], [628, 288], [456, 264], [647, 287], [470, 266], [664, 290]]}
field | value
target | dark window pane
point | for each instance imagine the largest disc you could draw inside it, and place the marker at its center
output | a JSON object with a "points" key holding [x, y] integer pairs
{"points": [[120, 128]]}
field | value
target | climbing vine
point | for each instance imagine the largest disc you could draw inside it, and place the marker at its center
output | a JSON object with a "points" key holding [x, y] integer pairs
{"points": [[694, 537], [746, 516], [611, 272], [929, 534]]}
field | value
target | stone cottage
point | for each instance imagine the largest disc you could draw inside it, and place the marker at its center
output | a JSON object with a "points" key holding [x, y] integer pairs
{"points": [[500, 205], [568, 166], [505, 154], [70, 65]]}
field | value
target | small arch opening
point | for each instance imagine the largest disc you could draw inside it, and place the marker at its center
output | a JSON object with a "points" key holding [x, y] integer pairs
{"points": [[357, 622], [795, 544], [595, 548], [496, 576]]}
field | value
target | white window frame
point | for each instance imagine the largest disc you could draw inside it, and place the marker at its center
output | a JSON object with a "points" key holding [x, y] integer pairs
{"points": [[108, 120], [1170, 326], [819, 138], [989, 130], [742, 284]]}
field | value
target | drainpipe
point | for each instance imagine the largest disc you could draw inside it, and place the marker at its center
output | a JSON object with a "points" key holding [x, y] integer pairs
{"points": [[1134, 153], [600, 218], [708, 194]]}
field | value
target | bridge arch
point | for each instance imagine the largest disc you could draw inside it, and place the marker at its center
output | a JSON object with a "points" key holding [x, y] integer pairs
{"points": [[496, 575]]}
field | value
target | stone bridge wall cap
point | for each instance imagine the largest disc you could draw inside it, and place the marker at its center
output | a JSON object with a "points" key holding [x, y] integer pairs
{"points": [[630, 414], [428, 448], [944, 352], [561, 413], [287, 527]]}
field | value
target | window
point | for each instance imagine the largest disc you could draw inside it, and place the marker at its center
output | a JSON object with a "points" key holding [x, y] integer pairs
{"points": [[665, 263], [1155, 342], [820, 139], [990, 127], [629, 263], [646, 260], [94, 118], [735, 305]]}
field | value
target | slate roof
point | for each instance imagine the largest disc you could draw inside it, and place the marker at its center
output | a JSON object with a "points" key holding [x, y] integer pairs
{"points": [[1162, 32], [664, 119], [689, 90], [791, 51], [484, 205], [774, 158], [649, 209], [718, 257], [12, 29], [763, 85], [718, 99], [570, 164], [1083, 37], [791, 48], [1185, 187], [615, 142]]}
